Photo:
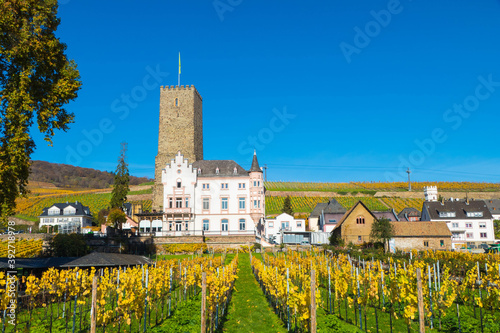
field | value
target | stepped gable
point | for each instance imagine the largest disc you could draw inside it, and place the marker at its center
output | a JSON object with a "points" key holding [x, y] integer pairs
{"points": [[226, 168]]}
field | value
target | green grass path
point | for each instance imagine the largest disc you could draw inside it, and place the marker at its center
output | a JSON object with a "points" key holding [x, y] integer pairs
{"points": [[249, 310]]}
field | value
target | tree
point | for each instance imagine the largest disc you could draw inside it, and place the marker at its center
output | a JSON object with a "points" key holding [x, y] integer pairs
{"points": [[36, 81], [122, 178], [287, 206], [496, 225], [101, 217], [68, 245], [116, 218], [382, 230]]}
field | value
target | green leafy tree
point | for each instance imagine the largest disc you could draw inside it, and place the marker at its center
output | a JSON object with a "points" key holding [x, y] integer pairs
{"points": [[287, 206], [101, 217], [69, 245], [116, 218], [496, 224], [36, 81], [122, 178], [382, 231]]}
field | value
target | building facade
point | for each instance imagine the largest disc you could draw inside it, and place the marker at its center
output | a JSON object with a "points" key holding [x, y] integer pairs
{"points": [[216, 197], [275, 228], [469, 221], [355, 227], [66, 217], [420, 236]]}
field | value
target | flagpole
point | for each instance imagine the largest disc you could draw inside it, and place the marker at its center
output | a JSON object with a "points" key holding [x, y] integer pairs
{"points": [[179, 75]]}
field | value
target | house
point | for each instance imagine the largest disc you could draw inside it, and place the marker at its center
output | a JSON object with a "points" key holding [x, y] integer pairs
{"points": [[355, 226], [469, 221], [494, 207], [420, 236], [390, 215], [331, 214], [209, 197], [409, 214], [315, 215], [276, 228], [66, 217]]}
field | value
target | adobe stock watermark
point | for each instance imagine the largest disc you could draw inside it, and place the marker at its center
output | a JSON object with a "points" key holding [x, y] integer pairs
{"points": [[266, 135], [453, 117], [121, 107], [223, 6], [373, 28]]}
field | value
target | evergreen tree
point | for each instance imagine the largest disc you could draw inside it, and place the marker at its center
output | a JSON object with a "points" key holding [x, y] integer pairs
{"points": [[36, 81], [120, 188], [287, 206]]}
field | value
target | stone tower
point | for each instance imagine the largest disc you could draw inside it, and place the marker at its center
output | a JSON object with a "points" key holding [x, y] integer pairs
{"points": [[181, 129], [431, 193]]}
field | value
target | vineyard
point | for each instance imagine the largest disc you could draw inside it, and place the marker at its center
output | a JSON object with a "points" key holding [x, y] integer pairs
{"points": [[23, 248], [131, 299], [307, 204], [381, 186], [379, 297]]}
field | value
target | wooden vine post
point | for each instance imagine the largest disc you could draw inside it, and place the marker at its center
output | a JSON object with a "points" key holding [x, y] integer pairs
{"points": [[421, 317], [93, 314], [313, 301], [203, 302]]}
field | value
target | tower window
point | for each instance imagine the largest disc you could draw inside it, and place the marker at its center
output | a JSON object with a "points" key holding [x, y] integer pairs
{"points": [[176, 102]]}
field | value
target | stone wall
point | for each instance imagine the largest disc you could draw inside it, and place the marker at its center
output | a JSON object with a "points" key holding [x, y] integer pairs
{"points": [[180, 129], [210, 240], [417, 243]]}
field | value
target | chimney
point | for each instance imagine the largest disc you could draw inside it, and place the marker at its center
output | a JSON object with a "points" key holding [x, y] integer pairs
{"points": [[466, 201]]}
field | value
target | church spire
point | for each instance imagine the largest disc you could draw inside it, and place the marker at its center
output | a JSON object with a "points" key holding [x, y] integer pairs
{"points": [[255, 164]]}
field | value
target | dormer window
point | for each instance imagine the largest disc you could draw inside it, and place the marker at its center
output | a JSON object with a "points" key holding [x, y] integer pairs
{"points": [[235, 171], [447, 214], [217, 170], [199, 171], [474, 214]]}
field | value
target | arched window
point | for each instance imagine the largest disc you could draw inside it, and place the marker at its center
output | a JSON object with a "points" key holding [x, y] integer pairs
{"points": [[176, 102], [360, 220]]}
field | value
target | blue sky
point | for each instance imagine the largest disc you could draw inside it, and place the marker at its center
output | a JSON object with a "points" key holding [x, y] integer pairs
{"points": [[323, 90]]}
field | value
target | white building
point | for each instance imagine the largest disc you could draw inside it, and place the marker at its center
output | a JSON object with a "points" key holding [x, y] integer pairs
{"points": [[66, 217], [494, 207], [469, 221], [215, 197], [275, 228]]}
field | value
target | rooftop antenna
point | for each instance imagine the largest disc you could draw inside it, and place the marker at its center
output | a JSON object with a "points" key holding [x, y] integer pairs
{"points": [[409, 181], [265, 172], [179, 75]]}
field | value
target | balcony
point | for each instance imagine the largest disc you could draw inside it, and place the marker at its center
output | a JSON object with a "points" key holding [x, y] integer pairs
{"points": [[177, 211]]}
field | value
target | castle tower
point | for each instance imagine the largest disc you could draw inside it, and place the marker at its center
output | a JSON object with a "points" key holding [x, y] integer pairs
{"points": [[431, 193], [180, 129]]}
